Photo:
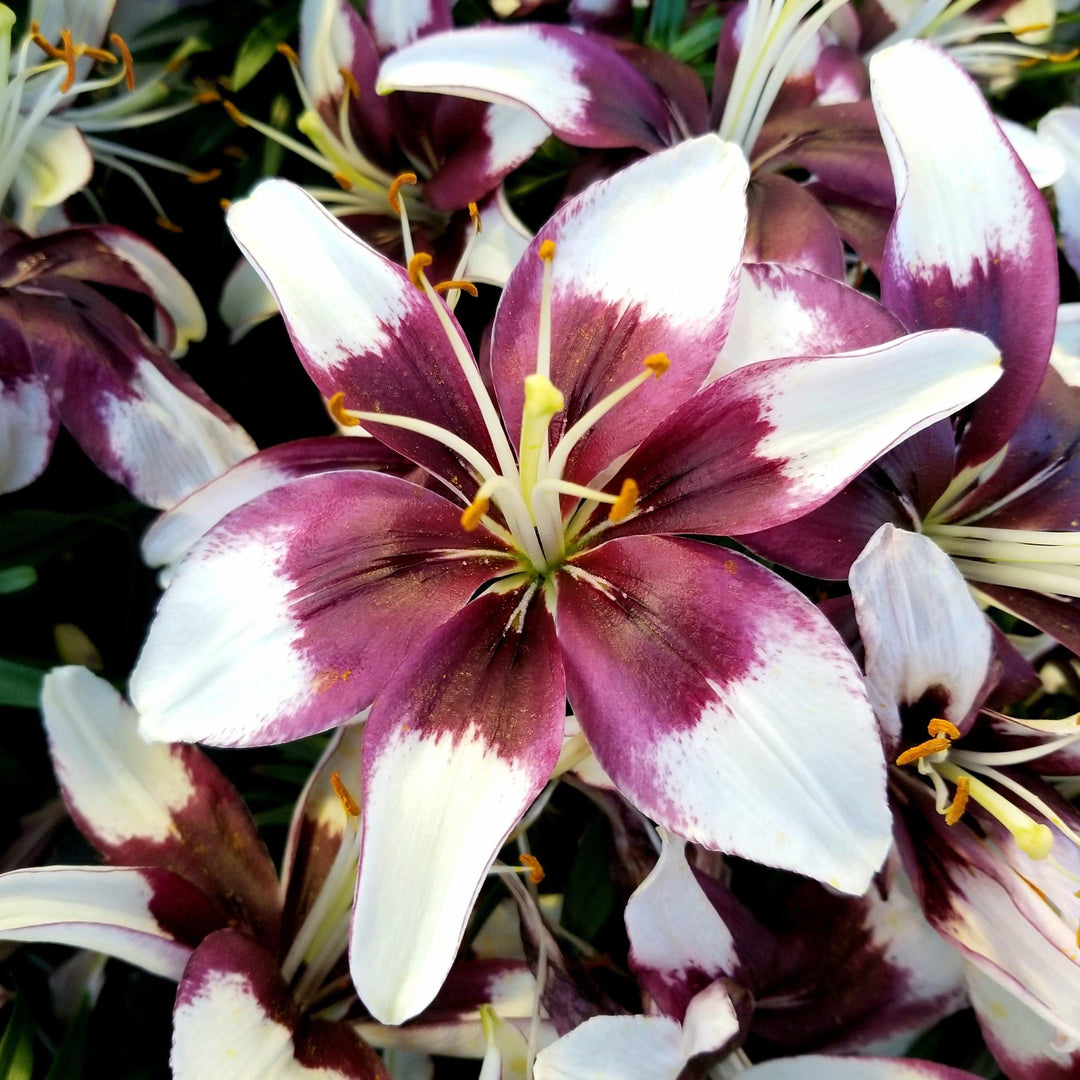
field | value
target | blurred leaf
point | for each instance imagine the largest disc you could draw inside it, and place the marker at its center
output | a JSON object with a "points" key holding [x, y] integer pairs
{"points": [[20, 686], [260, 45], [589, 898], [692, 46], [17, 578], [68, 1062], [17, 1044], [32, 536], [665, 23]]}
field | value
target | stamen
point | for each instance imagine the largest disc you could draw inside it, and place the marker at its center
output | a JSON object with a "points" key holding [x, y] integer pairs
{"points": [[225, 203], [342, 181], [547, 251], [658, 363], [625, 503], [960, 801], [416, 267], [926, 749], [288, 52], [208, 97], [474, 214], [532, 864], [103, 56], [46, 46], [350, 805], [336, 408], [398, 183], [351, 85], [69, 56], [474, 512], [542, 401], [163, 222], [941, 726], [454, 283], [203, 177], [235, 114], [125, 57]]}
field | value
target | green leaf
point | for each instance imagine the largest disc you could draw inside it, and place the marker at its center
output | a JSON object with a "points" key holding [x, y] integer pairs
{"points": [[69, 1060], [666, 22], [20, 686], [589, 898], [258, 48], [17, 1044], [17, 578], [29, 537]]}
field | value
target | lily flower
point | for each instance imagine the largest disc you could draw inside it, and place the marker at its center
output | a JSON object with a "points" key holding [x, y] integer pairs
{"points": [[72, 356], [548, 569], [460, 151]]}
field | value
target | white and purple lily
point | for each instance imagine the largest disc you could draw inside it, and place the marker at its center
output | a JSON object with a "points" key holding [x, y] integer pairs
{"points": [[714, 694]]}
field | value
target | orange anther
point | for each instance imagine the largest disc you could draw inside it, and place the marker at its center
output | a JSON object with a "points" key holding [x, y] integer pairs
{"points": [[236, 115], [101, 55], [206, 97], [125, 56], [336, 408], [465, 286], [1064, 57], [658, 363], [626, 501], [546, 251], [940, 726], [203, 177], [350, 805], [960, 800], [474, 213], [399, 182], [68, 56], [167, 225], [926, 749], [224, 203], [47, 47], [342, 181], [1034, 28], [350, 82], [288, 52], [416, 267], [471, 515], [532, 864]]}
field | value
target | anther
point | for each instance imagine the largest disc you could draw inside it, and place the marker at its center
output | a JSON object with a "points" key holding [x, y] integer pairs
{"points": [[658, 363], [471, 515], [350, 805], [167, 225], [926, 749], [235, 114], [416, 267], [224, 203], [342, 181], [547, 251], [626, 501], [103, 56], [203, 177], [288, 52], [959, 804], [336, 408], [68, 56], [474, 214], [465, 286], [398, 183], [1063, 57], [532, 864], [350, 81], [125, 57], [206, 97], [46, 46], [940, 726]]}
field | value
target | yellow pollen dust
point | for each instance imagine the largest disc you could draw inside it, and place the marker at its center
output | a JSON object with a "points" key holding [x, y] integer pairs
{"points": [[398, 183], [416, 267], [547, 251], [926, 749], [288, 52], [658, 363], [532, 864], [471, 515], [121, 47], [465, 286], [336, 408], [626, 501], [349, 79], [960, 800], [350, 805]]}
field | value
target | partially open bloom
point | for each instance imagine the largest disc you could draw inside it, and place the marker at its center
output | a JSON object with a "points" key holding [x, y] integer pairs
{"points": [[713, 693]]}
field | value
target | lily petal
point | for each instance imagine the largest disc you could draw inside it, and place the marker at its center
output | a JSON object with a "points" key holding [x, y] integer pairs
{"points": [[615, 300], [148, 804], [723, 705], [28, 418], [457, 746], [615, 1048], [979, 254], [576, 83], [289, 616], [150, 918], [56, 164], [1061, 127], [850, 1068], [397, 23]]}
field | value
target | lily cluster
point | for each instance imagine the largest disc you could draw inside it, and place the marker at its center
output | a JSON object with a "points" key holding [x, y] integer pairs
{"points": [[750, 519]]}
